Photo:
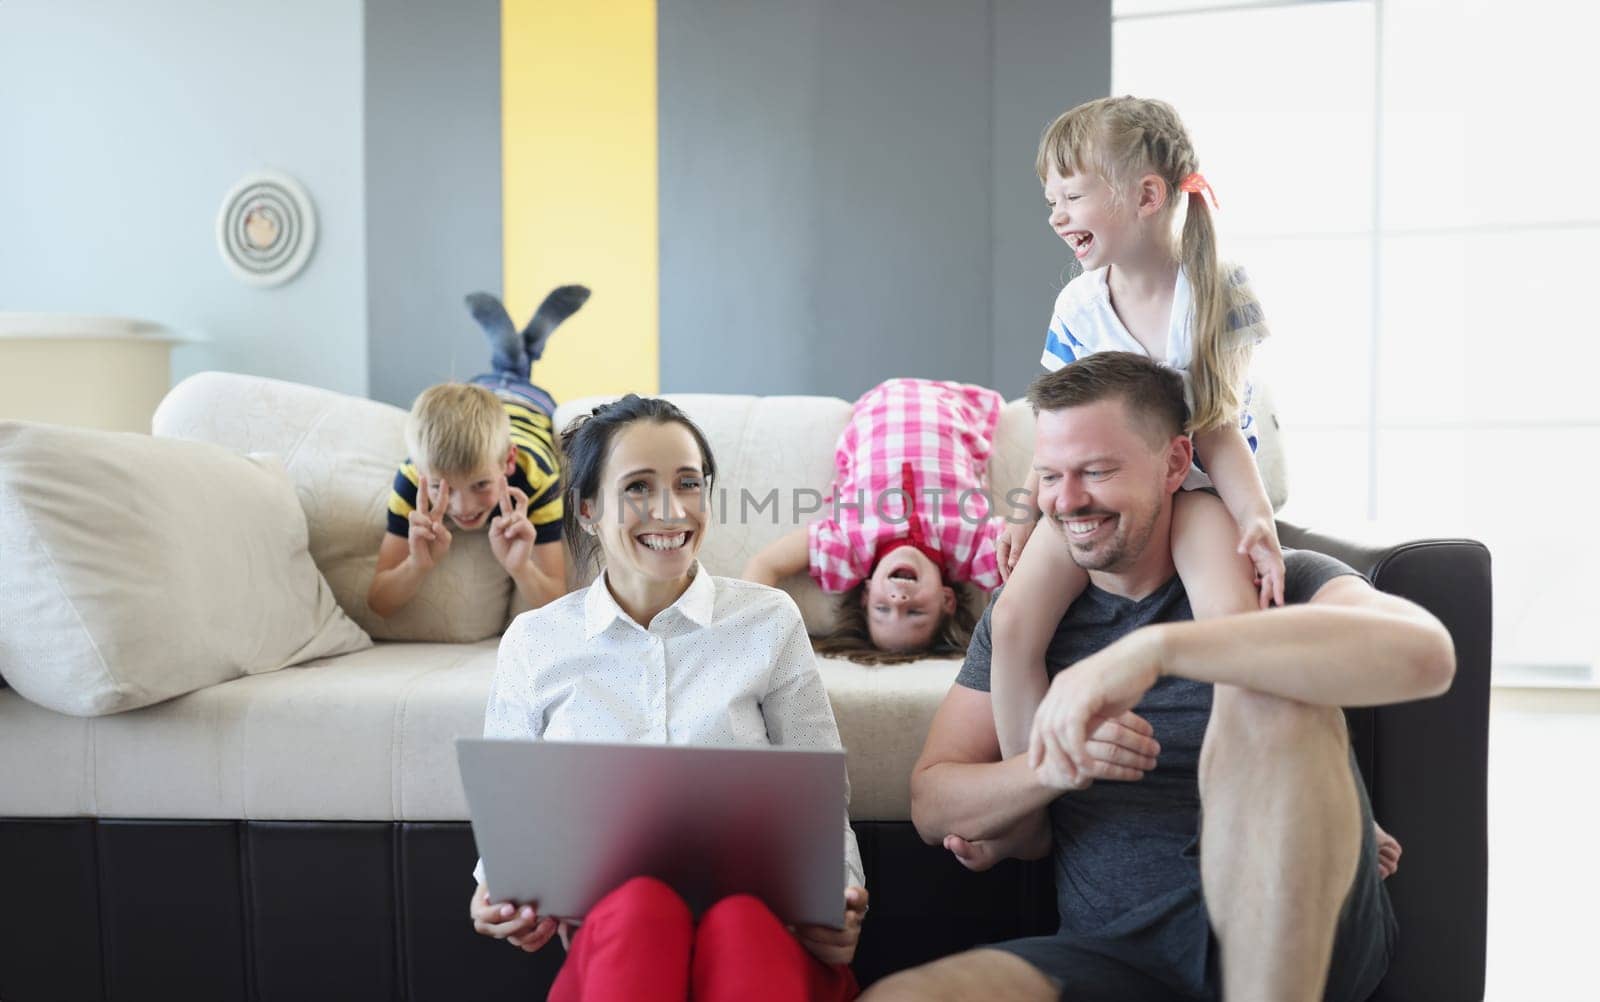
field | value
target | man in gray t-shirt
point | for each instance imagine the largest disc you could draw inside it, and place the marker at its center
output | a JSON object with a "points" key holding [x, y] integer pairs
{"points": [[1193, 779]]}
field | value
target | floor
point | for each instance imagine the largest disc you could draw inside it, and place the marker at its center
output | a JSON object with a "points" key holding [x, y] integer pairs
{"points": [[1544, 845]]}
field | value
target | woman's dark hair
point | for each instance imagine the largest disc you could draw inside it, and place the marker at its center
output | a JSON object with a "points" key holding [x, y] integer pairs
{"points": [[851, 639], [585, 444]]}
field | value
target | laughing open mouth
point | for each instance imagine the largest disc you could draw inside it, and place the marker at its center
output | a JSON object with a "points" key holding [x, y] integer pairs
{"points": [[665, 541], [1083, 528]]}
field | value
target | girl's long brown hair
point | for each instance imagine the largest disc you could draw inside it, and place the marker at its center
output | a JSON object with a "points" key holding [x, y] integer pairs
{"points": [[852, 641]]}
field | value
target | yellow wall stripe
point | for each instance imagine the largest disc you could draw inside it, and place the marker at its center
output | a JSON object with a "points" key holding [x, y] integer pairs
{"points": [[578, 102]]}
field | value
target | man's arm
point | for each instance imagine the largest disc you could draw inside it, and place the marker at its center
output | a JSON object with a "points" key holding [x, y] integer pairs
{"points": [[1351, 645], [959, 785]]}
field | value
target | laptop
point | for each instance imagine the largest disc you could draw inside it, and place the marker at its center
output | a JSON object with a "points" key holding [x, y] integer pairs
{"points": [[565, 823]]}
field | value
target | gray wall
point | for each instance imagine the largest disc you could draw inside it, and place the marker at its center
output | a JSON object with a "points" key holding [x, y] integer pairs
{"points": [[1049, 56], [847, 190], [434, 220], [123, 127]]}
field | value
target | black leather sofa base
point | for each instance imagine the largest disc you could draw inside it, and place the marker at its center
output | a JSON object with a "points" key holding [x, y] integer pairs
{"points": [[255, 910], [224, 911]]}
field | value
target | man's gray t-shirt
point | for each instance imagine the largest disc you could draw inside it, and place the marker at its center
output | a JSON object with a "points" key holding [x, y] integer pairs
{"points": [[1127, 854]]}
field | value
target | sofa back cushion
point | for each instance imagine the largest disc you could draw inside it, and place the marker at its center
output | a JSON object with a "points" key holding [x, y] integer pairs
{"points": [[341, 452], [775, 464], [135, 569], [775, 454]]}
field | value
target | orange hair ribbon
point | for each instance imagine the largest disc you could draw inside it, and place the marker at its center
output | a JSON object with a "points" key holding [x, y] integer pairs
{"points": [[1196, 184]]}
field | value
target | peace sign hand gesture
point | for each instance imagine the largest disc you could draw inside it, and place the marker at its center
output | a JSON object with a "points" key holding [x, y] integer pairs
{"points": [[511, 537], [428, 538]]}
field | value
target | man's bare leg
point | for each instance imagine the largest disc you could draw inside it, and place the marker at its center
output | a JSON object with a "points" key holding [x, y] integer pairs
{"points": [[975, 976], [1280, 837]]}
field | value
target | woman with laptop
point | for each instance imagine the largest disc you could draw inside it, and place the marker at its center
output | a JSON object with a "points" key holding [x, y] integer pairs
{"points": [[657, 650]]}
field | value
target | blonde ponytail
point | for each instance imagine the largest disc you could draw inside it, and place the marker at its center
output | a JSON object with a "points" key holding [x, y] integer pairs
{"points": [[1220, 363]]}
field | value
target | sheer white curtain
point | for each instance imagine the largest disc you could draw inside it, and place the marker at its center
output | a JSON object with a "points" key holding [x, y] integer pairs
{"points": [[1411, 184]]}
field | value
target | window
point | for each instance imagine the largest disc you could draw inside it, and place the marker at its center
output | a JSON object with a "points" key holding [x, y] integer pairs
{"points": [[1410, 184]]}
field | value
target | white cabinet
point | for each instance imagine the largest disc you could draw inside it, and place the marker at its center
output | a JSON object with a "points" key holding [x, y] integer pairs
{"points": [[87, 371]]}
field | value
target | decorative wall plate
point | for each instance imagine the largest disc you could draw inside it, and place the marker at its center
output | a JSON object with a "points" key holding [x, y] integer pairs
{"points": [[266, 228]]}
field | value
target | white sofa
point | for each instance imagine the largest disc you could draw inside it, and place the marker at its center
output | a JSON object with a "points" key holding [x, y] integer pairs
{"points": [[368, 736], [357, 748]]}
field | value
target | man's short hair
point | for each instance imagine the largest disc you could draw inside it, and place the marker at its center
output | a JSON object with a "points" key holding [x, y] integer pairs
{"points": [[1150, 390], [457, 429]]}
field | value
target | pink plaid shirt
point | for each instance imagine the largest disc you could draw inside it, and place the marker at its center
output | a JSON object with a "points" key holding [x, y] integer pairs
{"points": [[921, 440]]}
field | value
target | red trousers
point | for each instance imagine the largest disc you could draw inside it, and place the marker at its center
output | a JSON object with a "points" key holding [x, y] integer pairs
{"points": [[640, 944]]}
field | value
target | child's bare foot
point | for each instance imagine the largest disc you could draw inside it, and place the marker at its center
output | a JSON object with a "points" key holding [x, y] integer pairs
{"points": [[1388, 852], [975, 856]]}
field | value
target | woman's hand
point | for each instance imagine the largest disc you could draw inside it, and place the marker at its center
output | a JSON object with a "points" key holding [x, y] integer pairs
{"points": [[836, 946], [521, 925]]}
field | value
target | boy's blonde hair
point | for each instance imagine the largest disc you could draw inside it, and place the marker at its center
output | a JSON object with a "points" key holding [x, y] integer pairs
{"points": [[457, 429], [1120, 140]]}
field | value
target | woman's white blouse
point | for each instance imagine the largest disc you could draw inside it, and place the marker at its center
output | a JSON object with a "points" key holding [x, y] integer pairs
{"points": [[729, 663]]}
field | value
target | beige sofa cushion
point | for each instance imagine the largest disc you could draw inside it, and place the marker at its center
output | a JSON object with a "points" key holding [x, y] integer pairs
{"points": [[776, 457], [134, 569], [370, 736], [342, 452], [782, 448]]}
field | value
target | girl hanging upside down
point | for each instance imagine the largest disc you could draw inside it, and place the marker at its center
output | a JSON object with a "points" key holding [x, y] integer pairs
{"points": [[908, 526]]}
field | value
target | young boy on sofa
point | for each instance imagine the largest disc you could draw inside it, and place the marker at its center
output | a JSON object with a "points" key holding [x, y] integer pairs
{"points": [[482, 454]]}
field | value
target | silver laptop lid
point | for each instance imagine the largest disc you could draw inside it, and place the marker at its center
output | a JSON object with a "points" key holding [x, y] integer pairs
{"points": [[564, 823]]}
